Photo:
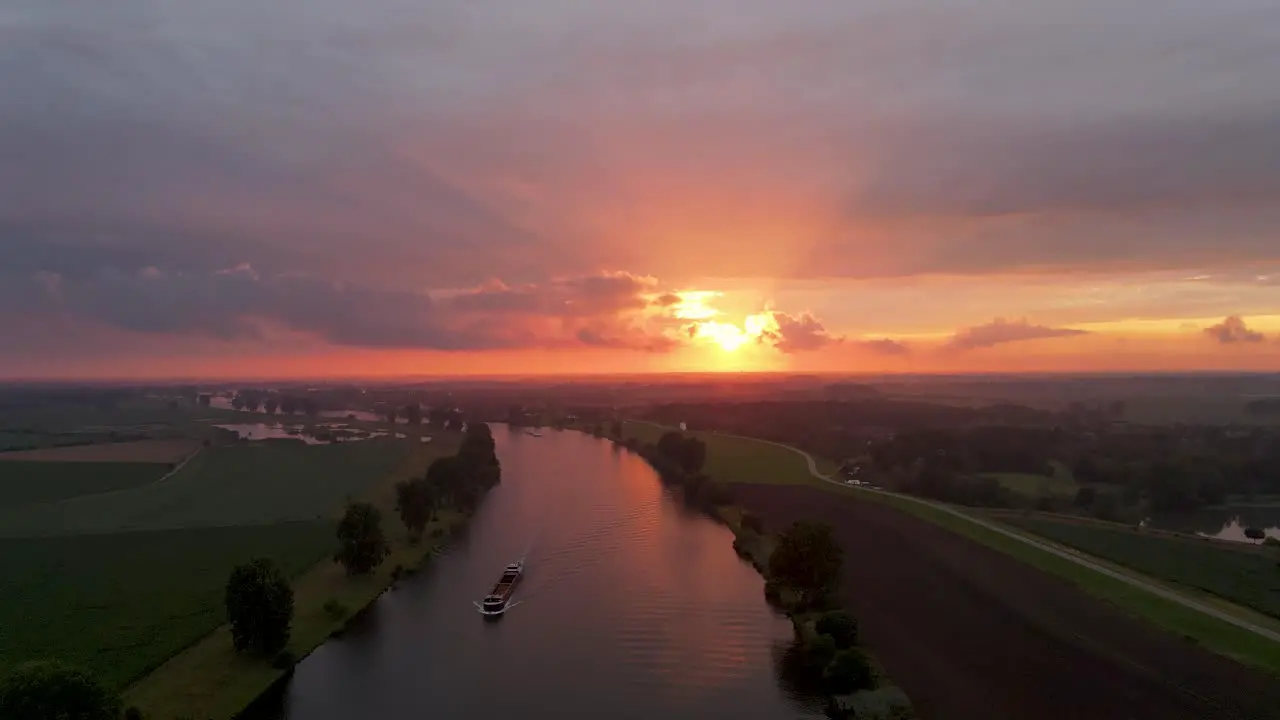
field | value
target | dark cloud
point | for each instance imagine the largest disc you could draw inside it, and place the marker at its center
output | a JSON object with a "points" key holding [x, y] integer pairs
{"points": [[1233, 330], [437, 144], [234, 303], [1000, 331], [602, 293], [798, 333]]}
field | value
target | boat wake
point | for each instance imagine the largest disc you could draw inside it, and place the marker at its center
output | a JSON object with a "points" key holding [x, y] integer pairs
{"points": [[503, 611]]}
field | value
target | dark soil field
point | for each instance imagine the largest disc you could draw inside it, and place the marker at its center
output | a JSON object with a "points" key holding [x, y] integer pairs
{"points": [[970, 633]]}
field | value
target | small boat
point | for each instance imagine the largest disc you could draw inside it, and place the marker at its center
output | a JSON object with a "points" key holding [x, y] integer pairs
{"points": [[499, 599]]}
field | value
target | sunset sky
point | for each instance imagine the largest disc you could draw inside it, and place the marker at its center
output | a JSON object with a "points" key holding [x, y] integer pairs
{"points": [[312, 187]]}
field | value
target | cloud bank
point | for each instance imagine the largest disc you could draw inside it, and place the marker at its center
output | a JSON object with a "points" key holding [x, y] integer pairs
{"points": [[1001, 331]]}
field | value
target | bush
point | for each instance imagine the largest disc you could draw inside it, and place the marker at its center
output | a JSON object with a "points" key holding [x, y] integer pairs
{"points": [[819, 652], [335, 609], [1271, 541], [133, 713], [284, 660], [752, 523], [397, 572], [840, 626], [39, 690], [847, 673], [773, 593]]}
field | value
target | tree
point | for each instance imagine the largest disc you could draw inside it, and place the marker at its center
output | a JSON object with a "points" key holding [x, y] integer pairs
{"points": [[259, 607], [455, 421], [840, 626], [848, 673], [288, 404], [807, 560], [237, 402], [689, 452], [363, 546], [391, 415], [46, 690], [416, 503], [446, 476], [205, 400], [309, 407], [438, 417], [413, 413], [1255, 533], [616, 429], [253, 403], [1085, 497], [270, 405]]}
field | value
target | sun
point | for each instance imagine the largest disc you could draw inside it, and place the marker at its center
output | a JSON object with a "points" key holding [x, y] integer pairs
{"points": [[695, 306], [731, 337], [728, 336]]}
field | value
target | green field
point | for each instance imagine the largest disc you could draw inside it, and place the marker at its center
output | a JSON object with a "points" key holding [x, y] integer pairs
{"points": [[123, 603], [210, 680], [1033, 486], [1239, 575], [737, 460], [244, 484], [23, 482], [120, 581]]}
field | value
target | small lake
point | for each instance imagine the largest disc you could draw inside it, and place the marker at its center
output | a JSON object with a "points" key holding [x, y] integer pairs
{"points": [[632, 607], [1227, 522], [316, 435]]}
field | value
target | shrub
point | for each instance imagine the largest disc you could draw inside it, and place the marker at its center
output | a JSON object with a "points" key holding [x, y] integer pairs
{"points": [[53, 690], [752, 523], [840, 626], [284, 660], [335, 609], [819, 652], [847, 673], [133, 713], [397, 572], [1271, 541], [773, 592]]}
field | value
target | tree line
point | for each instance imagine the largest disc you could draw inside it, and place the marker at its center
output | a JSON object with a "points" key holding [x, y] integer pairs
{"points": [[803, 577], [678, 459]]}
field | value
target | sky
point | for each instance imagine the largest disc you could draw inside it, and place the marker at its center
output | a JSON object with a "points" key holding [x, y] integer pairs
{"points": [[310, 188]]}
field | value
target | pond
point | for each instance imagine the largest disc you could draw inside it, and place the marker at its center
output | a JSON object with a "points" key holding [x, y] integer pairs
{"points": [[1226, 522]]}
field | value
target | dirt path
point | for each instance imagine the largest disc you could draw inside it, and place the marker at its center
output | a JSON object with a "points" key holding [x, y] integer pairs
{"points": [[971, 633]]}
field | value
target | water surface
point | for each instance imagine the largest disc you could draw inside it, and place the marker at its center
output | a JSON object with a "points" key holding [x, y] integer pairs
{"points": [[632, 607]]}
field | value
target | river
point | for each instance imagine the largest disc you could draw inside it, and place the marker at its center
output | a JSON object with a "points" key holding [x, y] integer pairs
{"points": [[632, 607]]}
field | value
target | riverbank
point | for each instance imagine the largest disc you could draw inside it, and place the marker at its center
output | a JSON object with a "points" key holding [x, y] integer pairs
{"points": [[885, 701], [210, 680], [852, 683]]}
